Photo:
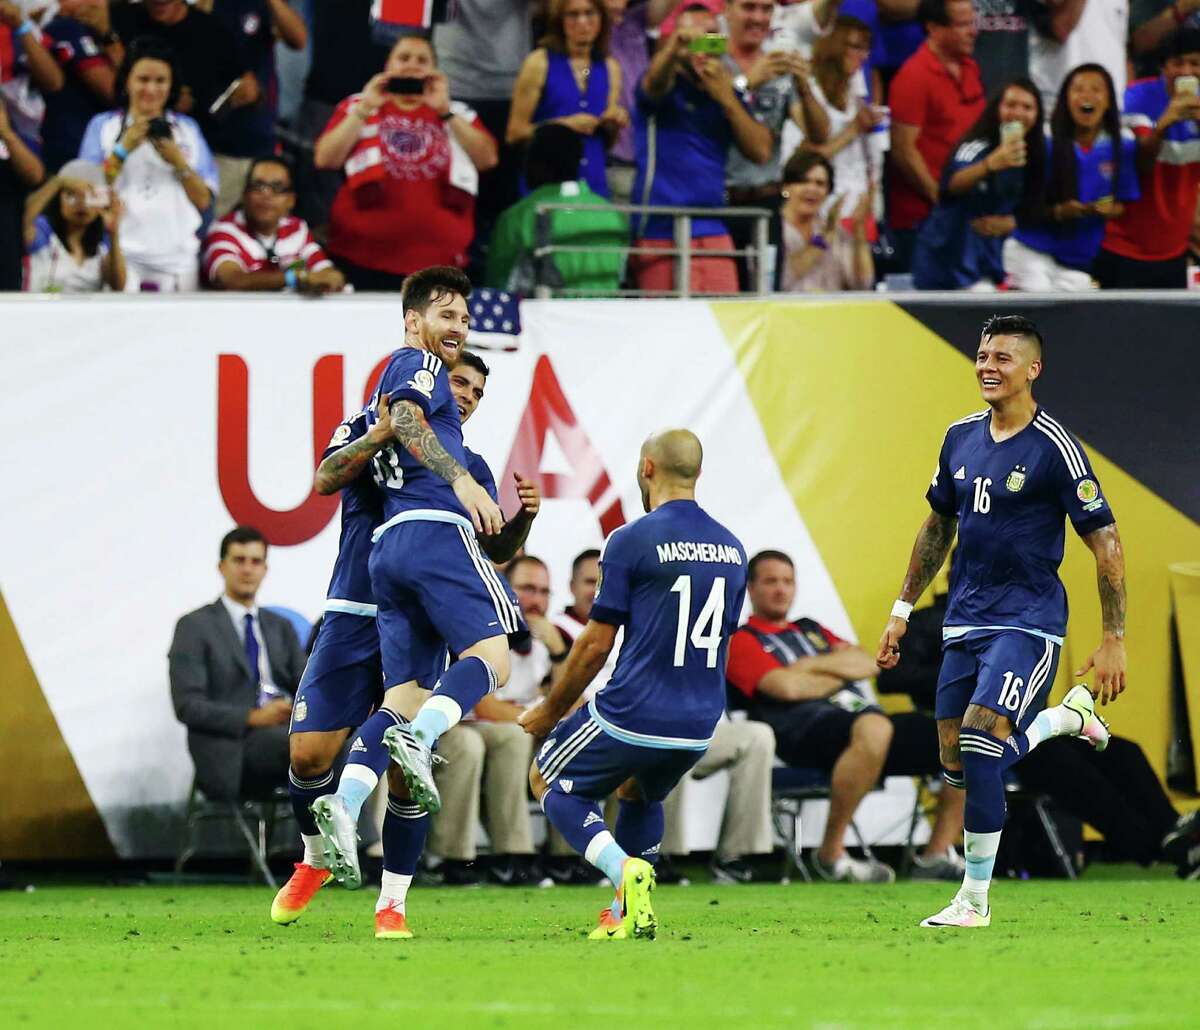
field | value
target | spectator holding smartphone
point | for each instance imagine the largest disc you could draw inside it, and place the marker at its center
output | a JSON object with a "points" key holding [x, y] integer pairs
{"points": [[1146, 248], [412, 159], [71, 233], [689, 108], [571, 79], [996, 173], [159, 165], [1092, 174], [261, 245]]}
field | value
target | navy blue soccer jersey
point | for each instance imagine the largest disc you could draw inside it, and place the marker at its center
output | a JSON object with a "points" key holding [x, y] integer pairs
{"points": [[362, 510], [675, 580], [1010, 499], [408, 486], [480, 472]]}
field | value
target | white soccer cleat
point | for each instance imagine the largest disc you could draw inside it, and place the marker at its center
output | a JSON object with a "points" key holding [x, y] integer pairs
{"points": [[416, 761], [339, 837], [1095, 729], [854, 870], [959, 913]]}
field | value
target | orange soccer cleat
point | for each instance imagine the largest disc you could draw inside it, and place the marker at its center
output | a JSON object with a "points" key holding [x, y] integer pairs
{"points": [[294, 896], [390, 924]]}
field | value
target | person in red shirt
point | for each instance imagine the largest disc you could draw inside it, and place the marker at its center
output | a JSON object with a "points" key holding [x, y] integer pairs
{"points": [[412, 159], [1146, 248], [261, 245], [935, 97], [807, 684]]}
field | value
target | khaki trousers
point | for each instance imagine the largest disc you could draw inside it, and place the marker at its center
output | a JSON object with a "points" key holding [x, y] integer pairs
{"points": [[747, 750], [488, 759]]}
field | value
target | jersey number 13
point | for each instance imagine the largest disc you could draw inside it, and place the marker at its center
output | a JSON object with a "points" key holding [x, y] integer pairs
{"points": [[706, 632]]}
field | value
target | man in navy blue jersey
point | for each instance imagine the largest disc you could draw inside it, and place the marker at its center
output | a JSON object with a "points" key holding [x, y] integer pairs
{"points": [[1005, 479], [675, 580]]}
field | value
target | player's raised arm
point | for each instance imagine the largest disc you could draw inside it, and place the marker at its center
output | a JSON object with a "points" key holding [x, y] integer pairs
{"points": [[588, 655], [929, 553], [345, 464], [504, 546], [1109, 658], [415, 435]]}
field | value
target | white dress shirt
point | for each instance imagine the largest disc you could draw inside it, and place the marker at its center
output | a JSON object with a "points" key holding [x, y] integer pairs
{"points": [[237, 613]]}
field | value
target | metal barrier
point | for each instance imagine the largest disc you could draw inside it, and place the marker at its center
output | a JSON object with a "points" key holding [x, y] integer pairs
{"points": [[757, 254]]}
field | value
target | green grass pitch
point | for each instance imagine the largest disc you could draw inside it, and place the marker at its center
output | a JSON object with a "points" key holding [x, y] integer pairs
{"points": [[1094, 953]]}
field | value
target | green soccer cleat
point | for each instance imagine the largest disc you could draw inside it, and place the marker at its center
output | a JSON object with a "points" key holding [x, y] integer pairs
{"points": [[1094, 729], [637, 881], [611, 928]]}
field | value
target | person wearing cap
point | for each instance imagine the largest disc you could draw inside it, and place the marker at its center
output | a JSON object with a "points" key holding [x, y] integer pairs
{"points": [[71, 235]]}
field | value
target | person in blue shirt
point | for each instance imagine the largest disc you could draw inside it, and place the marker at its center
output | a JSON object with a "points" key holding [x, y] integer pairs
{"points": [[985, 185], [1092, 170], [1005, 480], [675, 581]]}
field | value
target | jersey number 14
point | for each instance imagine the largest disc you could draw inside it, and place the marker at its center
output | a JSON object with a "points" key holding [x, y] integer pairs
{"points": [[706, 632]]}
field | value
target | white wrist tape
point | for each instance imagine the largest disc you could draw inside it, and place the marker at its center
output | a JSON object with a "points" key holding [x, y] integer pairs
{"points": [[901, 610]]}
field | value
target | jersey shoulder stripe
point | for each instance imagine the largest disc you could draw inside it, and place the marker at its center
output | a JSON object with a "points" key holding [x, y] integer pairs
{"points": [[432, 363], [1066, 446], [970, 418]]}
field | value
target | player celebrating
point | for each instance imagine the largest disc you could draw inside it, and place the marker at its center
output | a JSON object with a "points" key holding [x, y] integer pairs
{"points": [[1004, 479], [675, 580]]}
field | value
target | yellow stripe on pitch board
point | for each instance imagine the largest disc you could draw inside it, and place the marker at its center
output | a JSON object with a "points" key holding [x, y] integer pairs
{"points": [[854, 398], [47, 811]]}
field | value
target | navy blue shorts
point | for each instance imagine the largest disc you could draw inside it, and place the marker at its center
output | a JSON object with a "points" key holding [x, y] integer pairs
{"points": [[435, 589], [580, 758], [343, 680], [1008, 671]]}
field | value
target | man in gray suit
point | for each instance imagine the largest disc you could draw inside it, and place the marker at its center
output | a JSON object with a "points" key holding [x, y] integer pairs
{"points": [[234, 669]]}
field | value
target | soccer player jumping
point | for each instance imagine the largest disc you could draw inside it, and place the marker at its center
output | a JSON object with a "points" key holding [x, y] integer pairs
{"points": [[1004, 480], [675, 580]]}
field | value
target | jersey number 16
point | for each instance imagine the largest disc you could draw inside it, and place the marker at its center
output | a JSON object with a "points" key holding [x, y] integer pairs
{"points": [[706, 633]]}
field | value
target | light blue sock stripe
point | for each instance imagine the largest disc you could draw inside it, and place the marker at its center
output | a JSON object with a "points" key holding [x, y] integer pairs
{"points": [[610, 861], [981, 868], [430, 724], [354, 793]]}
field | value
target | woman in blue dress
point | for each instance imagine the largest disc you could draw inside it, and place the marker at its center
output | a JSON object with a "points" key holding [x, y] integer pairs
{"points": [[993, 174], [571, 79]]}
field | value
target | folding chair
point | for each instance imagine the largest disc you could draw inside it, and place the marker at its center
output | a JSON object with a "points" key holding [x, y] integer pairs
{"points": [[255, 821]]}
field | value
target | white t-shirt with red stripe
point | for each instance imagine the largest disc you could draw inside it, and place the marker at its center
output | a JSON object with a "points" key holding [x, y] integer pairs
{"points": [[231, 239]]}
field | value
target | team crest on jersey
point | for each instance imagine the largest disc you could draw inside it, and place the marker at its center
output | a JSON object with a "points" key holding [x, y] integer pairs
{"points": [[1016, 479], [1087, 491], [422, 380], [300, 712], [817, 641], [340, 435], [599, 581]]}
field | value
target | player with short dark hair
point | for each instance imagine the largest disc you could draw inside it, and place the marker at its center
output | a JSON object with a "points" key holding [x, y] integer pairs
{"points": [[675, 580], [1005, 479]]}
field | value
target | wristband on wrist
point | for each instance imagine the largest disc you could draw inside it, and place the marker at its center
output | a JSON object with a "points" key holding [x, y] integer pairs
{"points": [[24, 29], [818, 241], [561, 657], [901, 610], [447, 116], [120, 153], [290, 279]]}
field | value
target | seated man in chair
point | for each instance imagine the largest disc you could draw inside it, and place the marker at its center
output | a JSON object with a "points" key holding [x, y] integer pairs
{"points": [[800, 678], [234, 668]]}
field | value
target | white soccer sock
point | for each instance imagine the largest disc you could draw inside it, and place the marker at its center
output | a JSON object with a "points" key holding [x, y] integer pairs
{"points": [[314, 851], [393, 891], [1055, 721]]}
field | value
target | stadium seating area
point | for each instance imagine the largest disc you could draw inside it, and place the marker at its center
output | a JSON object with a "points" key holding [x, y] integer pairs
{"points": [[890, 144]]}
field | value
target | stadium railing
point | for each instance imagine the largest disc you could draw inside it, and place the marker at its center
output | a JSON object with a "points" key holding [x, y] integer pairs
{"points": [[759, 254]]}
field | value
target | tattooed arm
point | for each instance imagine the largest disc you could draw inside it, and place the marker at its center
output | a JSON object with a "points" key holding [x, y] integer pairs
{"points": [[416, 436], [1108, 659], [345, 465], [928, 555]]}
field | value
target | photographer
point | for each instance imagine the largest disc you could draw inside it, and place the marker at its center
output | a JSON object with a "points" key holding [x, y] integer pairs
{"points": [[261, 245], [688, 108], [161, 168], [412, 159], [71, 233]]}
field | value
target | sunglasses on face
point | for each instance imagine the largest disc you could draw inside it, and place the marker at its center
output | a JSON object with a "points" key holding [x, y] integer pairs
{"points": [[278, 188]]}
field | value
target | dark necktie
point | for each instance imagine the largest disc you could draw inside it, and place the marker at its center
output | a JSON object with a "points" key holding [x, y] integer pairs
{"points": [[252, 650]]}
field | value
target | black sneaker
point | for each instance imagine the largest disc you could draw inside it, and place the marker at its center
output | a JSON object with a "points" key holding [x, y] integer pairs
{"points": [[734, 871], [667, 873], [569, 871], [457, 873], [513, 871], [1183, 838]]}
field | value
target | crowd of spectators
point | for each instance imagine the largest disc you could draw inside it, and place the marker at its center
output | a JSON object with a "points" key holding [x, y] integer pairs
{"points": [[981, 144]]}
